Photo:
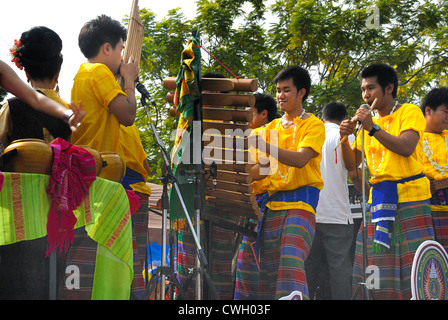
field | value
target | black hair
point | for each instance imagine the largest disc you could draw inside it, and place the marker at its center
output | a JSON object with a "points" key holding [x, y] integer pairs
{"points": [[334, 111], [99, 31], [385, 74], [264, 101], [435, 98], [40, 53], [301, 78]]}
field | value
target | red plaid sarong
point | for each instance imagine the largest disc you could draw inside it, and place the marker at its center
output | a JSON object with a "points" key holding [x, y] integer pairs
{"points": [[413, 225]]}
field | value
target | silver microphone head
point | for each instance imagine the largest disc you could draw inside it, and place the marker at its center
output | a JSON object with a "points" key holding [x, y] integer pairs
{"points": [[364, 106]]}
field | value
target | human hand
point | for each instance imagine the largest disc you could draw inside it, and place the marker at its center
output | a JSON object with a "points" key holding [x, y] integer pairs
{"points": [[78, 114]]}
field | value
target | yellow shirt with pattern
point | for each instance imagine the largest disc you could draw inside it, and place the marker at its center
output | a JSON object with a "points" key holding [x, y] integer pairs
{"points": [[308, 133], [95, 86], [436, 149], [385, 165]]}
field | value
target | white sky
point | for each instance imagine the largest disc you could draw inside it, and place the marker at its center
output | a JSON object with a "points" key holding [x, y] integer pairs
{"points": [[66, 18]]}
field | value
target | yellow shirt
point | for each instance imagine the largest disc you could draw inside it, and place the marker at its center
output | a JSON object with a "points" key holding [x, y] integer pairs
{"points": [[385, 165], [435, 147], [306, 133], [134, 155], [95, 86]]}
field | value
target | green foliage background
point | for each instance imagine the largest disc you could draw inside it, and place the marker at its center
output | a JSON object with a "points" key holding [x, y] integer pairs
{"points": [[334, 40]]}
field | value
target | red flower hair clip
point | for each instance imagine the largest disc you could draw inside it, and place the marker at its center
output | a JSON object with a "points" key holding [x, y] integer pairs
{"points": [[15, 54]]}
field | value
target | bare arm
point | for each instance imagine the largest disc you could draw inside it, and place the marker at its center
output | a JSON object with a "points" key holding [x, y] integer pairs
{"points": [[125, 107], [403, 145], [11, 82]]}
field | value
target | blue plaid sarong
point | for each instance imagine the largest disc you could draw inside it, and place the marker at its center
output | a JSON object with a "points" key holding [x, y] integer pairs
{"points": [[384, 208], [307, 194]]}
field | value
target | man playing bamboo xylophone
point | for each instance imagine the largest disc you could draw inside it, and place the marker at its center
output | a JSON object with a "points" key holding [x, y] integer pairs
{"points": [[293, 166]]}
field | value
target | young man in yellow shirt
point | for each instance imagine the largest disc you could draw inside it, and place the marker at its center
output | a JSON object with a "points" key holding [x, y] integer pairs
{"points": [[107, 107], [435, 147], [293, 167], [400, 216]]}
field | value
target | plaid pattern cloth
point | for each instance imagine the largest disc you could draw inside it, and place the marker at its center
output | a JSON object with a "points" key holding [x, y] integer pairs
{"points": [[440, 220], [140, 233], [83, 255], [413, 225], [439, 201], [286, 242], [220, 258]]}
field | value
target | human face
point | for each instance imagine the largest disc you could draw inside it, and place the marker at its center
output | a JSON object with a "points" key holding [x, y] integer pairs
{"points": [[258, 119], [115, 57], [436, 120], [371, 90], [288, 97]]}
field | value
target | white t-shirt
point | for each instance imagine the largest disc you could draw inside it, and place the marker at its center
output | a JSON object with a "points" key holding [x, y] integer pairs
{"points": [[334, 203]]}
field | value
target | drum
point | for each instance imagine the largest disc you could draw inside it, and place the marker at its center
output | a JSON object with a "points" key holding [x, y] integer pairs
{"points": [[28, 156], [113, 167], [96, 156]]}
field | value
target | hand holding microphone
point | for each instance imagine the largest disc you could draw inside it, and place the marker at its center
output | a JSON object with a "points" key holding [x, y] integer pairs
{"points": [[364, 106]]}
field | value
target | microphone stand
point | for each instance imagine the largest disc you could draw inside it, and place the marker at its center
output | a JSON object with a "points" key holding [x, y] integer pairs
{"points": [[364, 230], [169, 178]]}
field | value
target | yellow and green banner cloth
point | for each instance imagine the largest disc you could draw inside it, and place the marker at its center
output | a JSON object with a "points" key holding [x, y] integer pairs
{"points": [[187, 91], [105, 213]]}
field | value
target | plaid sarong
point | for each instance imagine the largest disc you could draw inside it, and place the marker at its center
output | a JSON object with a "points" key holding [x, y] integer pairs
{"points": [[412, 226], [221, 247], [440, 218], [287, 239]]}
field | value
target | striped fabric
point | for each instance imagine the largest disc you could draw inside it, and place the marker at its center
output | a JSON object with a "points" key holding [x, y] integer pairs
{"points": [[105, 215], [440, 220], [439, 209], [139, 235], [220, 258], [413, 225], [286, 242]]}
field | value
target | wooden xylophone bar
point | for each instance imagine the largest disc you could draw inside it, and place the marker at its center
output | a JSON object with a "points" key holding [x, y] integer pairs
{"points": [[225, 122]]}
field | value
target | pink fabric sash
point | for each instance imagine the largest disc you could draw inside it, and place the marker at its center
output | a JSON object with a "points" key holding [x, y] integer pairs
{"points": [[134, 201], [72, 173]]}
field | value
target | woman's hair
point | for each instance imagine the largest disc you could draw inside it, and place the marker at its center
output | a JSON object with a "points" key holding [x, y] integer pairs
{"points": [[99, 31], [40, 53]]}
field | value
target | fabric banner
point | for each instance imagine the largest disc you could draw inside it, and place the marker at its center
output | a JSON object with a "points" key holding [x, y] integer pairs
{"points": [[187, 91], [105, 213]]}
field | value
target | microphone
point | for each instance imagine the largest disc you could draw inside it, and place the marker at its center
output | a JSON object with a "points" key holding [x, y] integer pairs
{"points": [[363, 106], [141, 88]]}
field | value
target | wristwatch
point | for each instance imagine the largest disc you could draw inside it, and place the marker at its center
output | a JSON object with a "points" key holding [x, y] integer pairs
{"points": [[375, 128]]}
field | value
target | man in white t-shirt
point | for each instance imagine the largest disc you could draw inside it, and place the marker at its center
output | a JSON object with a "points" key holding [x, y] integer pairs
{"points": [[334, 223]]}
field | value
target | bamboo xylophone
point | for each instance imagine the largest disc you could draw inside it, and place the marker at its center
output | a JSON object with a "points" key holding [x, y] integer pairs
{"points": [[222, 112]]}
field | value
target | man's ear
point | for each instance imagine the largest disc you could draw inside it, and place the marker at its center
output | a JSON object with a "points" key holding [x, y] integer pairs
{"points": [[106, 48], [264, 114], [389, 88], [302, 93]]}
